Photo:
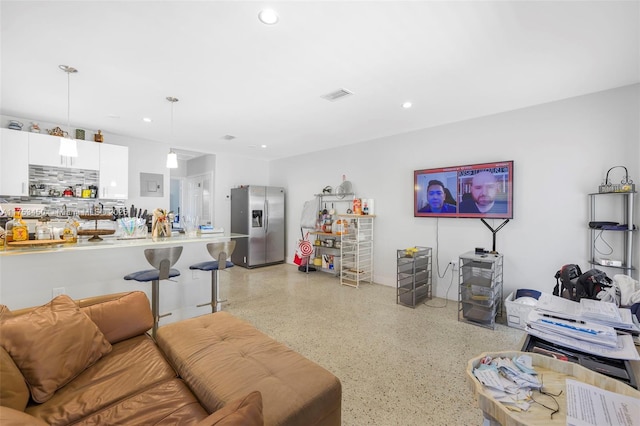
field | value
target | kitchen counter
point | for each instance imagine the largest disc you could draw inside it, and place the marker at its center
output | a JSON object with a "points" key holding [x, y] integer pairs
{"points": [[32, 276], [111, 242]]}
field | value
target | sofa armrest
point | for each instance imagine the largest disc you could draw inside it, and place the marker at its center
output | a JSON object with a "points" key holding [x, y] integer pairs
{"points": [[11, 417], [246, 411]]}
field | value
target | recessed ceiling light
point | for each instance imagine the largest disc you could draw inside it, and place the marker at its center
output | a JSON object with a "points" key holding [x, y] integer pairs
{"points": [[263, 146], [113, 116], [146, 120], [406, 105], [268, 17]]}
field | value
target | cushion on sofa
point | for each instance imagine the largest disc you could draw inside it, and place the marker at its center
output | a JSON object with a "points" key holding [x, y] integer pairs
{"points": [[132, 366], [167, 403], [52, 344], [12, 417], [246, 411], [13, 389], [127, 315], [222, 358]]}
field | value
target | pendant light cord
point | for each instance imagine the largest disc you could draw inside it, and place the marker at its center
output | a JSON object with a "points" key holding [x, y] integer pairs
{"points": [[68, 104], [173, 101]]}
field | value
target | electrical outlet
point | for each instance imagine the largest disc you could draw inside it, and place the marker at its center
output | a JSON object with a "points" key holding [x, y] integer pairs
{"points": [[57, 291], [195, 275], [454, 264]]}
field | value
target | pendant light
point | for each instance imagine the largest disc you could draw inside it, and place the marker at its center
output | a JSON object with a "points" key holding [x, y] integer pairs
{"points": [[68, 145], [172, 157]]}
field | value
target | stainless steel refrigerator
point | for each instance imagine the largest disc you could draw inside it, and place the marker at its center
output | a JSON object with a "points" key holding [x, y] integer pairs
{"points": [[258, 211]]}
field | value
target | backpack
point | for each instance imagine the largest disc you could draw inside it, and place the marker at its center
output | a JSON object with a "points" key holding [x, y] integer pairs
{"points": [[572, 284], [566, 281], [593, 282]]}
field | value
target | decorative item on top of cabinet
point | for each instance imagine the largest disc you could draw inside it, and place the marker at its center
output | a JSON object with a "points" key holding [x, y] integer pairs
{"points": [[80, 134], [98, 137], [57, 131], [15, 125]]}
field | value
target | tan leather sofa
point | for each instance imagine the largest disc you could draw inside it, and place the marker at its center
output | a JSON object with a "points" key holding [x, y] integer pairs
{"points": [[91, 361]]}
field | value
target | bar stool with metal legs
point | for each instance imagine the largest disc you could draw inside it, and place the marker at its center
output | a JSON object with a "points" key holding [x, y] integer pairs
{"points": [[220, 251], [162, 259]]}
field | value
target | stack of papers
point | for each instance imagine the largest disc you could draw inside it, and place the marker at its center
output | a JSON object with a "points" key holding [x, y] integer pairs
{"points": [[509, 380], [582, 326], [605, 313], [576, 329]]}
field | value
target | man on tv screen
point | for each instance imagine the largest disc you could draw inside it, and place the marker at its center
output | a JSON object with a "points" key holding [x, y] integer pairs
{"points": [[484, 188], [436, 199]]}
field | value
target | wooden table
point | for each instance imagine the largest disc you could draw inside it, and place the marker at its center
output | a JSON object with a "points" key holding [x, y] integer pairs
{"points": [[554, 373]]}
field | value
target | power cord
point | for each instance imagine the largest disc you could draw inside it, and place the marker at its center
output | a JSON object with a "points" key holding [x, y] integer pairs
{"points": [[599, 236], [446, 296]]}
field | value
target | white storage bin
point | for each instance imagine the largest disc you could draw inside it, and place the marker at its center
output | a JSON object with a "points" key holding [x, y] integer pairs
{"points": [[517, 313]]}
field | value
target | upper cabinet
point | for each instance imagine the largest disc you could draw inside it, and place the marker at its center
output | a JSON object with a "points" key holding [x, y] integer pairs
{"points": [[20, 149], [14, 163], [114, 172], [43, 151]]}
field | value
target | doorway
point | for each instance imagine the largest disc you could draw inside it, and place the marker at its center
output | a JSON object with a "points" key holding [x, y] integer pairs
{"points": [[199, 198]]}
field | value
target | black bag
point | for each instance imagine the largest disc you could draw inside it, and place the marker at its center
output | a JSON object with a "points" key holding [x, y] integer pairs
{"points": [[572, 284], [566, 281], [593, 282]]}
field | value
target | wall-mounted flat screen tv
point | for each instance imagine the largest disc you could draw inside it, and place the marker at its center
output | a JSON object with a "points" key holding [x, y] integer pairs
{"points": [[472, 191]]}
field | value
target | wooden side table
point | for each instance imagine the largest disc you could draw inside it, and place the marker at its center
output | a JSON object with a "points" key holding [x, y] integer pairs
{"points": [[554, 374]]}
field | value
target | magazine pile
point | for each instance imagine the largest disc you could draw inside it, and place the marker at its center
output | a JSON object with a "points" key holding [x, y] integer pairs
{"points": [[591, 326]]}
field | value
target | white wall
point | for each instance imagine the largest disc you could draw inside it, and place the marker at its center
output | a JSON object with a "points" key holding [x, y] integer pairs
{"points": [[231, 172], [562, 151]]}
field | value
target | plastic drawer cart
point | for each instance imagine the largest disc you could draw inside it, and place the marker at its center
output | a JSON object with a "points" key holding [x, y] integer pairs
{"points": [[480, 288]]}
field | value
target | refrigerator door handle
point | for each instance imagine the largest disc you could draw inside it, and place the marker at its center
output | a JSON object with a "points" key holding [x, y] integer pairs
{"points": [[266, 216]]}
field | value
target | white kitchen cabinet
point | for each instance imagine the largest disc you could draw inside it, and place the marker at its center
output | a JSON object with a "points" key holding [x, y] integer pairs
{"points": [[44, 151], [114, 172], [14, 162]]}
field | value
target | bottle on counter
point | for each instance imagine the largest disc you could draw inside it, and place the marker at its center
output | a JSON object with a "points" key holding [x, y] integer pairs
{"points": [[17, 229], [43, 230], [70, 231]]}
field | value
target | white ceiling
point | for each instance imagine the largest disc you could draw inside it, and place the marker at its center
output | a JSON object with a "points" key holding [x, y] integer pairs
{"points": [[263, 84]]}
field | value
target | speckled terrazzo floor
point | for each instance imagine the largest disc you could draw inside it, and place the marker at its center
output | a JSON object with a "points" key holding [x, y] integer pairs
{"points": [[397, 365]]}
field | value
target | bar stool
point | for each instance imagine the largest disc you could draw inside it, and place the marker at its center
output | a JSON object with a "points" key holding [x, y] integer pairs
{"points": [[220, 251], [162, 259]]}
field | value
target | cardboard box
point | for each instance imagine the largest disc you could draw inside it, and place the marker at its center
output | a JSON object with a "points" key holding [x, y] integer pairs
{"points": [[517, 313]]}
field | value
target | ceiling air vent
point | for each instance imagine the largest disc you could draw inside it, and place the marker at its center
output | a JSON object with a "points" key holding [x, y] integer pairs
{"points": [[338, 94], [228, 137]]}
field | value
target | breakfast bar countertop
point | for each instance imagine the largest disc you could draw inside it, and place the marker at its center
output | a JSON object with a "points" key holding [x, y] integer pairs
{"points": [[116, 242]]}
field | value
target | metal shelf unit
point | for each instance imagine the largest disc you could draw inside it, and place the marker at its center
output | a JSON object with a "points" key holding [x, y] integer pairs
{"points": [[414, 276], [627, 232], [480, 288], [356, 250], [329, 255]]}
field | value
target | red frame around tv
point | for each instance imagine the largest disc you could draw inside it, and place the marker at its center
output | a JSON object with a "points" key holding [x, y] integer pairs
{"points": [[471, 191]]}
